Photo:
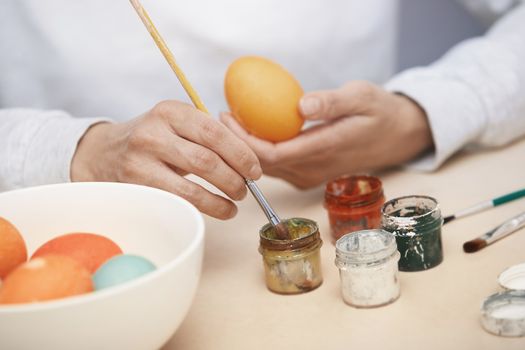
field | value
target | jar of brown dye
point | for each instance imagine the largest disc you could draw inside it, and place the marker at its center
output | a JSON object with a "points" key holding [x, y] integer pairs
{"points": [[292, 265]]}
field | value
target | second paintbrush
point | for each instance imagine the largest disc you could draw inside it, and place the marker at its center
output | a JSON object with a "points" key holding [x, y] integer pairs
{"points": [[486, 205], [503, 230]]}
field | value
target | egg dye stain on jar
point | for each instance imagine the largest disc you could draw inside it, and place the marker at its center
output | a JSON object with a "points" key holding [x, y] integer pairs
{"points": [[292, 265], [353, 203], [416, 222]]}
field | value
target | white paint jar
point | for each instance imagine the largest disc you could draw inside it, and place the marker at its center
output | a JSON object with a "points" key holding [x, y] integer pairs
{"points": [[368, 268]]}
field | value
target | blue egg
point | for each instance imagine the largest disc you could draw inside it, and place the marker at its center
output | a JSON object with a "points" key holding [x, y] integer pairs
{"points": [[120, 269]]}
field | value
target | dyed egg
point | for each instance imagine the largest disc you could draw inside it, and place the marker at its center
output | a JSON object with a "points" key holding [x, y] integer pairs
{"points": [[120, 269], [264, 98], [45, 278], [13, 251], [90, 249]]}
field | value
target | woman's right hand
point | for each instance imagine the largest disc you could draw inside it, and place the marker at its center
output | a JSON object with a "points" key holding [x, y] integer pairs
{"points": [[158, 148]]}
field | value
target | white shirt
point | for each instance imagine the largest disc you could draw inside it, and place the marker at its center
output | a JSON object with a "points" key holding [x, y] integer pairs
{"points": [[65, 65]]}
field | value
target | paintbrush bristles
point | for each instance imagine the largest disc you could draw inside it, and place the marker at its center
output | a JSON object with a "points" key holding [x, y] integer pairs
{"points": [[161, 44], [282, 231], [474, 245]]}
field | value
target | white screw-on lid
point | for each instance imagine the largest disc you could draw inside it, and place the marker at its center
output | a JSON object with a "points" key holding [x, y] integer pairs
{"points": [[513, 278]]}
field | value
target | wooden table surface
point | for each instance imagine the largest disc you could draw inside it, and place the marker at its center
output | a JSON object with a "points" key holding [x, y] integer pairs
{"points": [[438, 308]]}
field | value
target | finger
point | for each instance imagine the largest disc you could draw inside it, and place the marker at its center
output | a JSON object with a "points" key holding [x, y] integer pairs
{"points": [[309, 143], [259, 146], [203, 162], [319, 142], [295, 177], [267, 152], [353, 98], [159, 175], [262, 148], [199, 128]]}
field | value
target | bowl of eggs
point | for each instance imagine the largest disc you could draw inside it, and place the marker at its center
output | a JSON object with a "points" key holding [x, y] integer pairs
{"points": [[96, 266]]}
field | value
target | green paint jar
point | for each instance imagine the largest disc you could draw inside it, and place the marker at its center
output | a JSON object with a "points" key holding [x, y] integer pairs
{"points": [[416, 223]]}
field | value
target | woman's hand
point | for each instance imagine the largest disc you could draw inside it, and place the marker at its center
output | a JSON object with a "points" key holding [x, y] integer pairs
{"points": [[364, 128], [158, 148]]}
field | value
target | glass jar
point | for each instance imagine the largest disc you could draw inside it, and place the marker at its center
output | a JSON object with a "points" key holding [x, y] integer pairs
{"points": [[367, 262], [353, 204], [292, 265], [416, 223]]}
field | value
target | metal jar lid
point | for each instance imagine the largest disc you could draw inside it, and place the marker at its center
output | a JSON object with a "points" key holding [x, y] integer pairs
{"points": [[504, 313], [513, 278]]}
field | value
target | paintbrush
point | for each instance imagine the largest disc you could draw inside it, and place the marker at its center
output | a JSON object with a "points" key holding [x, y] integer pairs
{"points": [[503, 230], [280, 227], [485, 205]]}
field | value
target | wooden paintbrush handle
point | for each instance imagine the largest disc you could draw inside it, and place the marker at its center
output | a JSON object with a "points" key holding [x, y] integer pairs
{"points": [[161, 44]]}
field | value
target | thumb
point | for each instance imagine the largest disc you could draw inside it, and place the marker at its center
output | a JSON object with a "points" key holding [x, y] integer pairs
{"points": [[350, 99]]}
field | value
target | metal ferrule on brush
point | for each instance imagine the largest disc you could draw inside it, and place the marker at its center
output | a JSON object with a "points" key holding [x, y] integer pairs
{"points": [[263, 203], [505, 228]]}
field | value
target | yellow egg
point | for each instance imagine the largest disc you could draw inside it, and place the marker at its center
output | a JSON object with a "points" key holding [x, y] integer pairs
{"points": [[264, 98]]}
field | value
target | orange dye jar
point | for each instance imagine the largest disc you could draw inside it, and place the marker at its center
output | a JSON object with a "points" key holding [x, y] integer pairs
{"points": [[353, 204]]}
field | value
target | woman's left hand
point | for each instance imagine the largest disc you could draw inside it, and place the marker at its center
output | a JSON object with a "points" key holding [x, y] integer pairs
{"points": [[364, 128]]}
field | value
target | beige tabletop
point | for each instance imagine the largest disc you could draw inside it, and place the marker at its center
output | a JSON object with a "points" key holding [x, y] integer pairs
{"points": [[438, 308]]}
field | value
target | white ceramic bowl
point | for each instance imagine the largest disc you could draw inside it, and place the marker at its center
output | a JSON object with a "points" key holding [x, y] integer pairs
{"points": [[140, 314]]}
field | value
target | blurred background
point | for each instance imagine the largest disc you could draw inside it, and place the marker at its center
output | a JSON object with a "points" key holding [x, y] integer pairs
{"points": [[422, 27]]}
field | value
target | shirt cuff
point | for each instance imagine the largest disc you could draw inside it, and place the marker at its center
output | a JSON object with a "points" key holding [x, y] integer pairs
{"points": [[50, 152], [455, 113]]}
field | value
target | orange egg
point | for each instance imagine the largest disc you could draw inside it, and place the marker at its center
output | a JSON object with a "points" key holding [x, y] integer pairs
{"points": [[13, 251], [45, 278], [90, 249], [264, 98]]}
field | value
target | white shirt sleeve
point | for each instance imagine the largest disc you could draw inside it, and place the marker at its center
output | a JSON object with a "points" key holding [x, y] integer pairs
{"points": [[474, 95], [36, 147], [488, 11]]}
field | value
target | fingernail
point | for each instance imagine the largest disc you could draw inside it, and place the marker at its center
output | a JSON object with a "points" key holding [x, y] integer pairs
{"points": [[310, 105], [232, 212], [255, 172], [243, 194]]}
